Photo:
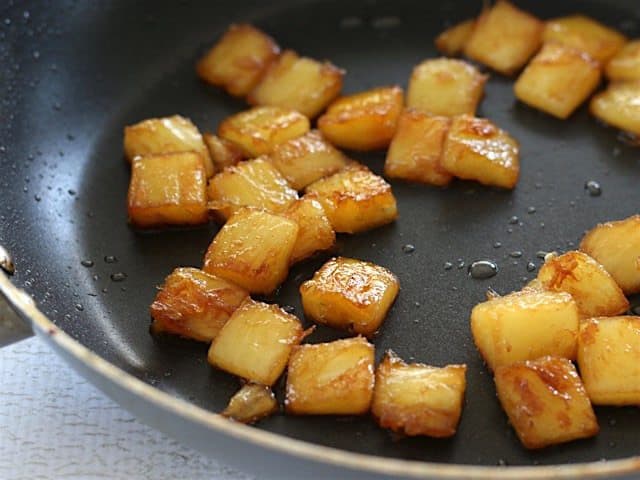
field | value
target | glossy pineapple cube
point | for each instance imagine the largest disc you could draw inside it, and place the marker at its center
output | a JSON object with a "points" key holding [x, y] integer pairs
{"points": [[253, 250], [545, 401], [417, 399], [194, 304], [251, 403], [298, 83], [625, 65], [223, 153], [585, 34], [609, 359], [363, 121], [558, 80], [167, 190], [416, 150], [524, 326], [476, 149], [445, 86], [256, 342], [350, 294], [254, 183], [315, 232], [334, 378], [619, 105], [504, 38], [238, 60], [616, 246], [355, 199], [306, 159], [451, 42], [174, 134]]}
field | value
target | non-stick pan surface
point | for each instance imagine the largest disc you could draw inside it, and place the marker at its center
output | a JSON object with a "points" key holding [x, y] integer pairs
{"points": [[73, 74]]}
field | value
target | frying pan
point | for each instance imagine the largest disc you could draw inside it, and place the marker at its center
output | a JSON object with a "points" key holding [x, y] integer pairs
{"points": [[75, 73]]}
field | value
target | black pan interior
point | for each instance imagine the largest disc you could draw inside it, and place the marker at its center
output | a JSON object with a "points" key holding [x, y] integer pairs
{"points": [[73, 75]]}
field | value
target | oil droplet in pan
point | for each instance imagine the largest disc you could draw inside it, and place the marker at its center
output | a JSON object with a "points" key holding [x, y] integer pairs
{"points": [[482, 269]]}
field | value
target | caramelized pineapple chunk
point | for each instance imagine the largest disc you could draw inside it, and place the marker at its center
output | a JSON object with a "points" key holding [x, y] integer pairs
{"points": [[417, 399], [223, 153], [524, 326], [616, 246], [364, 121], [609, 359], [416, 150], [625, 65], [478, 150], [619, 105], [256, 342], [306, 159], [545, 401], [334, 378], [298, 83], [167, 190], [558, 80], [156, 136], [451, 42], [314, 229], [355, 199], [238, 60], [585, 34], [504, 38], [350, 294], [255, 183], [445, 86], [251, 403], [253, 250], [596, 293], [194, 304]]}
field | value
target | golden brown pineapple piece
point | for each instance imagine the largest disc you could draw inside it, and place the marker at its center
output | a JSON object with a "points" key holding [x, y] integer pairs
{"points": [[476, 149], [306, 159], [334, 378], [251, 403], [616, 246], [363, 121], [619, 105], [350, 294], [625, 65], [223, 153], [445, 86], [585, 34], [174, 134], [504, 38], [314, 229], [417, 399], [524, 326], [451, 42], [596, 293], [255, 183], [167, 190], [609, 359], [545, 401], [253, 250], [558, 80], [298, 83], [256, 342], [416, 150], [194, 304], [238, 60], [355, 199]]}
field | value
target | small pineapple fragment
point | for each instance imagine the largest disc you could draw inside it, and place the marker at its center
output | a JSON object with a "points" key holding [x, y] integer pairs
{"points": [[256, 342], [238, 60], [223, 153], [545, 401], [253, 250], [251, 403], [504, 38], [298, 83], [609, 359], [334, 378], [314, 229], [363, 121], [616, 246], [524, 326], [194, 304], [451, 42], [445, 86], [355, 199], [619, 105], [625, 65], [476, 149], [350, 294], [167, 189], [417, 399], [416, 150]]}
